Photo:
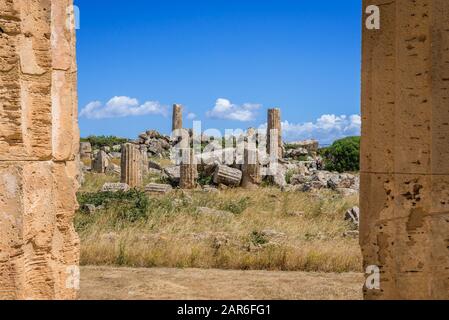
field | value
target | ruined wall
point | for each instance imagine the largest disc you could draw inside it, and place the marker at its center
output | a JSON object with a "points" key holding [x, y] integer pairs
{"points": [[39, 139], [405, 149]]}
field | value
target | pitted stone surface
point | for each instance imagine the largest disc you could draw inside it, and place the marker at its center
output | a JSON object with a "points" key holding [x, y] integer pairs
{"points": [[39, 138], [405, 150]]}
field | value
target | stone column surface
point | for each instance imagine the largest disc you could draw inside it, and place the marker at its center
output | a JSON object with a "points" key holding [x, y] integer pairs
{"points": [[405, 150], [131, 165], [274, 133], [177, 117], [100, 162], [188, 170], [39, 141], [251, 167]]}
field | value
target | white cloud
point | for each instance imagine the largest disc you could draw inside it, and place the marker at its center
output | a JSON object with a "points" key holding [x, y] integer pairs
{"points": [[326, 129], [119, 107], [191, 116], [224, 109]]}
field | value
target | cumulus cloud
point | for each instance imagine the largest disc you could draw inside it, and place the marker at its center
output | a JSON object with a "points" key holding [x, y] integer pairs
{"points": [[325, 129], [224, 109], [119, 107]]}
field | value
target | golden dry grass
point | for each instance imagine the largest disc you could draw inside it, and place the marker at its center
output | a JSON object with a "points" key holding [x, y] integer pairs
{"points": [[269, 230]]}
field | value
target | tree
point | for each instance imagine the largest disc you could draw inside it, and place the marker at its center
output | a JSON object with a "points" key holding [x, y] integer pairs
{"points": [[343, 155]]}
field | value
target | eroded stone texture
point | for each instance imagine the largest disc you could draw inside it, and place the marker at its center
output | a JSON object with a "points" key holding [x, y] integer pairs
{"points": [[188, 170], [405, 150], [39, 137], [251, 167], [177, 117], [131, 165], [274, 134]]}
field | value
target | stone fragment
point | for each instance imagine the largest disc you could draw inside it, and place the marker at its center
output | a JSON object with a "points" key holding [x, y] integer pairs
{"points": [[227, 176], [115, 187], [158, 188]]}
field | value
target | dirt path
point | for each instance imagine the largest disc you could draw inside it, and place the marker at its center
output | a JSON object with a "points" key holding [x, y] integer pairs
{"points": [[194, 284]]}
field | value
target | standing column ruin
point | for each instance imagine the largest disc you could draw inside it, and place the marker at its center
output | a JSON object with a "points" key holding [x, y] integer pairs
{"points": [[251, 168], [188, 170], [39, 143], [274, 134], [131, 165], [177, 117], [404, 230]]}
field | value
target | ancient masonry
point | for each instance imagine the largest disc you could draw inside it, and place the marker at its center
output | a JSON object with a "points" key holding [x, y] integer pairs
{"points": [[101, 162], [251, 167], [177, 117], [39, 141], [405, 150], [188, 170], [274, 133], [131, 165]]}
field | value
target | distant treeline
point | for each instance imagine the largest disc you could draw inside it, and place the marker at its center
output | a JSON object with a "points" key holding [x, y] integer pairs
{"points": [[343, 155], [98, 142]]}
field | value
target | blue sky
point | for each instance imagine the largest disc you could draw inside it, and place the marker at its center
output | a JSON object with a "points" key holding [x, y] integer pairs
{"points": [[226, 61]]}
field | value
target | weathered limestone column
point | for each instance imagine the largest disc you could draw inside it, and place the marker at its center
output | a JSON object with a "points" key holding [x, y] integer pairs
{"points": [[100, 162], [39, 141], [177, 117], [145, 160], [251, 168], [274, 133], [188, 170], [405, 150], [131, 165]]}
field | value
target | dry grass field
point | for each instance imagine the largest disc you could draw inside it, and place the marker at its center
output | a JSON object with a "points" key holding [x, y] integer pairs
{"points": [[234, 229]]}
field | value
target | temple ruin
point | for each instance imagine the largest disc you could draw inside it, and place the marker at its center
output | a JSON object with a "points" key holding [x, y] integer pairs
{"points": [[131, 165], [39, 141], [405, 150]]}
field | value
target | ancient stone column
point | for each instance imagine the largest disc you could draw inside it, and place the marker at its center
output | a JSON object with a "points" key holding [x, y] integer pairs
{"points": [[404, 230], [177, 117], [85, 151], [131, 165], [274, 133], [100, 162], [188, 170], [251, 167], [39, 141], [145, 160]]}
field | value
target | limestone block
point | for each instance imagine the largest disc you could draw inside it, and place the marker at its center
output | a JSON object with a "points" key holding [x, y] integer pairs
{"points": [[227, 176], [404, 220], [38, 244]]}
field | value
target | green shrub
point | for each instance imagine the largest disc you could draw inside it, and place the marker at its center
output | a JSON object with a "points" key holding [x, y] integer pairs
{"points": [[258, 238], [343, 155], [98, 142], [236, 206], [131, 205]]}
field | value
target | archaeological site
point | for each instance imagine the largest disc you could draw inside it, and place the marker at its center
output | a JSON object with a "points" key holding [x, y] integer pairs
{"points": [[369, 214]]}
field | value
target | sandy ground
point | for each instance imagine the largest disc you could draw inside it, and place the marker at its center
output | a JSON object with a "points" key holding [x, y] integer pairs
{"points": [[104, 283]]}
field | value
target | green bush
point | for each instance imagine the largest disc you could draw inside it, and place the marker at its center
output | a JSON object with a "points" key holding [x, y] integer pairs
{"points": [[343, 155], [98, 142], [236, 206], [131, 205]]}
